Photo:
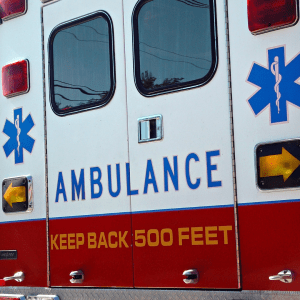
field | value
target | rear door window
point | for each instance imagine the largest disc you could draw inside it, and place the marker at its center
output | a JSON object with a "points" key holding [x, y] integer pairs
{"points": [[174, 44], [81, 58]]}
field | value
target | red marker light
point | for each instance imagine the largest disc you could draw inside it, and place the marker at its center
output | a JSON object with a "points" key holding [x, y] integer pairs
{"points": [[15, 78], [12, 8], [266, 15]]}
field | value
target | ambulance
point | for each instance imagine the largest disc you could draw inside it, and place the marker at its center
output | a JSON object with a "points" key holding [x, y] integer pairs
{"points": [[150, 149]]}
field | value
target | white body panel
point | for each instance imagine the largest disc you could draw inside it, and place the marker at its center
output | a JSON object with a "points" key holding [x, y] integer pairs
{"points": [[196, 120], [21, 39], [250, 130], [95, 138]]}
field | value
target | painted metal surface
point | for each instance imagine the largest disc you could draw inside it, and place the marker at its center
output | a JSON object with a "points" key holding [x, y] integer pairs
{"points": [[168, 242], [79, 144], [23, 151], [28, 238], [265, 109], [152, 231], [99, 246], [83, 231], [196, 126], [267, 247]]}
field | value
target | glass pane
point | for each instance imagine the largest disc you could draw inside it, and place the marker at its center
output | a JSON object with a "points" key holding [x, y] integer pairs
{"points": [[175, 43], [82, 66]]}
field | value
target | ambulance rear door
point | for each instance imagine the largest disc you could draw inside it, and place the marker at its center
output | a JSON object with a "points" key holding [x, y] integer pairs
{"points": [[89, 210], [182, 190]]}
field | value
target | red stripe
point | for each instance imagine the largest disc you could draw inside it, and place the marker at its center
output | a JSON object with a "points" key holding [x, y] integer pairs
{"points": [[157, 263], [162, 266], [269, 243], [102, 267], [29, 239]]}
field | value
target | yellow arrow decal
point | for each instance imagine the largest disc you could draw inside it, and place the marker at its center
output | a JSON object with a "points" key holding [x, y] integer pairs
{"points": [[15, 194], [281, 164]]}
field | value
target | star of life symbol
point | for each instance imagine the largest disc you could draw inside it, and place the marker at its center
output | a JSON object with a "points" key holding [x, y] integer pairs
{"points": [[277, 85], [18, 135]]}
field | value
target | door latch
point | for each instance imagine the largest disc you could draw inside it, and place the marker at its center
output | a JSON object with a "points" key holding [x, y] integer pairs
{"points": [[77, 277], [285, 276], [19, 277], [192, 276], [150, 129]]}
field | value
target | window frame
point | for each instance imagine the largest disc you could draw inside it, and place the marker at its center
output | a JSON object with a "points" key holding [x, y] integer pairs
{"points": [[72, 23], [178, 86]]}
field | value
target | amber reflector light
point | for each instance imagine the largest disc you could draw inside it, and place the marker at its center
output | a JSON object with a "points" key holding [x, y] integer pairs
{"points": [[15, 78], [265, 15], [12, 8]]}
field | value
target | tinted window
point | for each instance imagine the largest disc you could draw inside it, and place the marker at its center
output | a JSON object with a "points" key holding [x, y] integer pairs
{"points": [[81, 64], [175, 44]]}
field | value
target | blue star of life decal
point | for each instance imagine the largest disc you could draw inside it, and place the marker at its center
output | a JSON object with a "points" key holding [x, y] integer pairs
{"points": [[277, 85], [18, 135]]}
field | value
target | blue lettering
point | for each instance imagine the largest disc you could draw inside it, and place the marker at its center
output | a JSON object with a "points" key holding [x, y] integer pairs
{"points": [[60, 188], [173, 175], [78, 186], [210, 168], [195, 185], [112, 193], [95, 181], [129, 191], [150, 178]]}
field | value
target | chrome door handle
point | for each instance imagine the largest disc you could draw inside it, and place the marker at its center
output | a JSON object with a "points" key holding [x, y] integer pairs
{"points": [[19, 277], [285, 276], [192, 276], [77, 277]]}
